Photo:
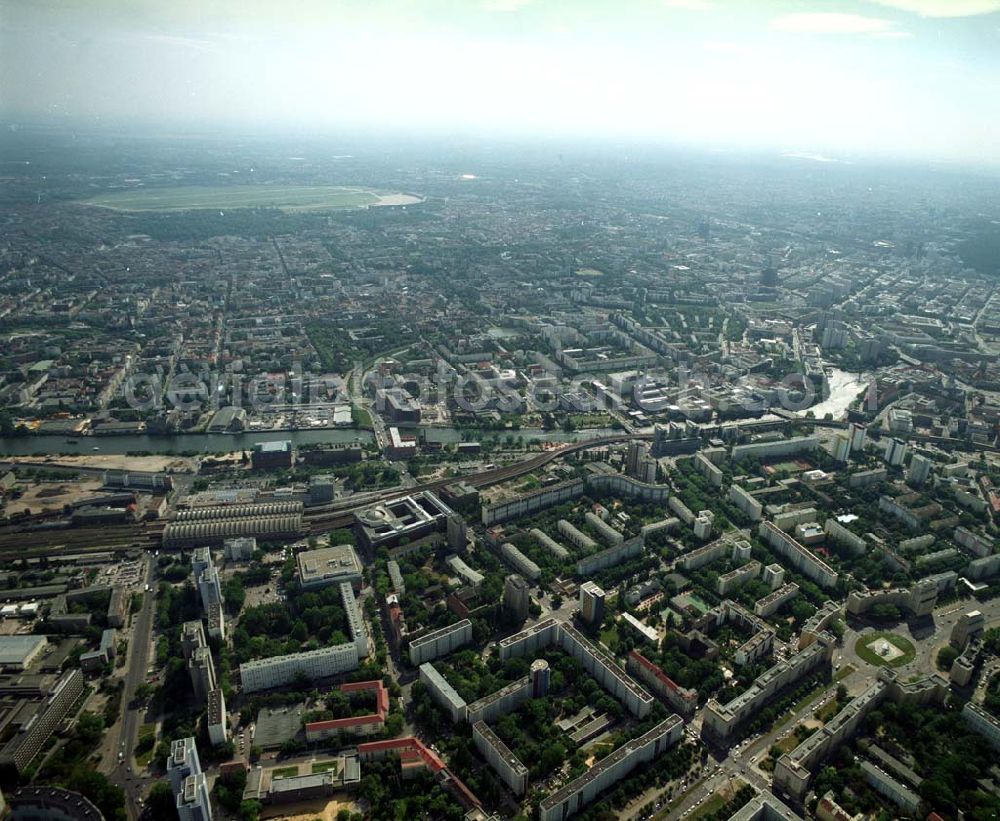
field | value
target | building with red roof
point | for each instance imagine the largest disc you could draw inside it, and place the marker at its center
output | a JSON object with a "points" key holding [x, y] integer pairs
{"points": [[369, 724]]}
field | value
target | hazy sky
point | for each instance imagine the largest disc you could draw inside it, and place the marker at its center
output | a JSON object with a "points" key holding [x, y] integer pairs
{"points": [[897, 77]]}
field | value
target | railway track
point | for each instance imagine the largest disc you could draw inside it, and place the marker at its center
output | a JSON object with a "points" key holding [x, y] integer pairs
{"points": [[118, 538]]}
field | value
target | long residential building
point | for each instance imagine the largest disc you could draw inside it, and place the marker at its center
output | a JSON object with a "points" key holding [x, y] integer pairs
{"points": [[521, 563], [611, 536], [601, 666], [355, 619], [613, 555], [505, 700], [800, 557], [701, 556], [443, 693], [682, 700], [982, 722], [549, 544], [498, 755], [263, 674], [746, 503], [735, 579], [773, 602], [440, 642], [774, 450], [794, 769], [578, 793], [575, 536], [18, 753], [722, 720]]}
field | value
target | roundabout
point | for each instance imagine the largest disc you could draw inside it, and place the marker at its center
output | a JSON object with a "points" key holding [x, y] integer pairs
{"points": [[884, 649]]}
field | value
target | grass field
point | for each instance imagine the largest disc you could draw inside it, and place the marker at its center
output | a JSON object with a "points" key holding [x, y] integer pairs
{"points": [[866, 653], [325, 766], [285, 772], [193, 197]]}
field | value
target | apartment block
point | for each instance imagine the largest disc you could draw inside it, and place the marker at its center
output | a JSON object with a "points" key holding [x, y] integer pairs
{"points": [[443, 693], [264, 674], [801, 558], [507, 765], [577, 794], [440, 642]]}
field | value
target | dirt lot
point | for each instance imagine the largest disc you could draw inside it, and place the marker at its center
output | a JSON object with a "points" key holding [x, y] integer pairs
{"points": [[309, 810], [40, 496], [121, 461]]}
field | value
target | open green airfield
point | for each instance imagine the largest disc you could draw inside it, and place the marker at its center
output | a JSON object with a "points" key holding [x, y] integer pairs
{"points": [[192, 197]]}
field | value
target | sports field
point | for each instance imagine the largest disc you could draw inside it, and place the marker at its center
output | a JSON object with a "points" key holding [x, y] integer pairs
{"points": [[220, 197]]}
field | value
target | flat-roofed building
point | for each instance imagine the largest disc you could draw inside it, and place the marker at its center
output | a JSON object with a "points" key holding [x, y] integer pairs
{"points": [[410, 517], [355, 619], [18, 652], [498, 755], [217, 718], [605, 773], [264, 674], [440, 642], [329, 565], [443, 693], [18, 753]]}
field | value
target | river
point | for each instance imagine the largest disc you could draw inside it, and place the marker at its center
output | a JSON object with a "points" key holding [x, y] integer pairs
{"points": [[227, 443]]}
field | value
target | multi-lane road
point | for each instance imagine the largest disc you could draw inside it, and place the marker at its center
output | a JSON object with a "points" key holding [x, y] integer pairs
{"points": [[118, 760]]}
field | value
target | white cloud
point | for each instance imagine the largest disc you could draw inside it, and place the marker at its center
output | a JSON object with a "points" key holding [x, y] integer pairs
{"points": [[830, 23], [690, 5], [943, 8], [505, 5]]}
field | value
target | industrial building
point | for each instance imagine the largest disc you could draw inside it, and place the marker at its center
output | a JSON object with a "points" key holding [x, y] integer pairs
{"points": [[214, 525], [273, 455], [18, 652]]}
